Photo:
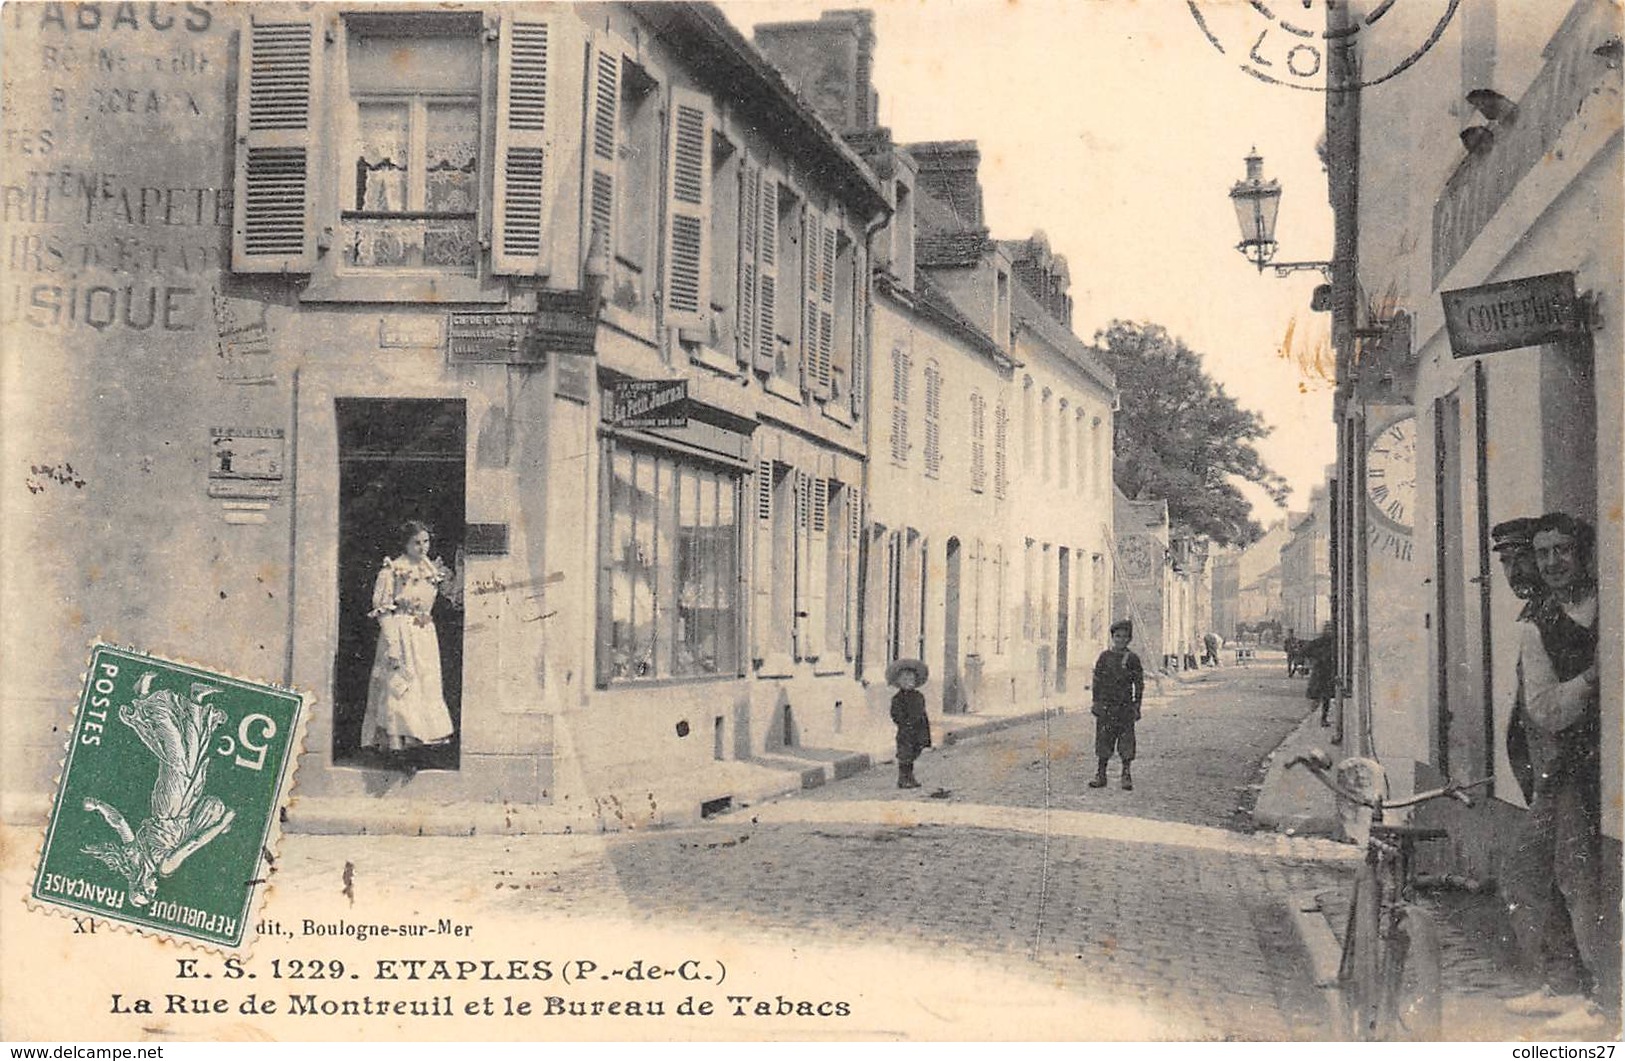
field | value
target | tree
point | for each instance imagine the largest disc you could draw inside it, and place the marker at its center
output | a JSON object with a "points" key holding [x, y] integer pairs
{"points": [[1179, 436]]}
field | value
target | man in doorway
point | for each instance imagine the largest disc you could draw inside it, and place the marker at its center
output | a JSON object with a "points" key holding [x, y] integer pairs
{"points": [[1119, 688], [1557, 662]]}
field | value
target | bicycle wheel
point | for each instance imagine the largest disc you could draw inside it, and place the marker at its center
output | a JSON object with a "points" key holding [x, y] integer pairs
{"points": [[1414, 995], [1360, 973]]}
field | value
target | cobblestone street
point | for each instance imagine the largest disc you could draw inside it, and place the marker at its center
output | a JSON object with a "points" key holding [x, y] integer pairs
{"points": [[1173, 919], [1155, 902]]}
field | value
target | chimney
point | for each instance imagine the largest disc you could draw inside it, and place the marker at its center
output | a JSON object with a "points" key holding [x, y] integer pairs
{"points": [[948, 174], [829, 63]]}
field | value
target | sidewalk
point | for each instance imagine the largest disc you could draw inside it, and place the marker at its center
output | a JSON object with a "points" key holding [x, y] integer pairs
{"points": [[1478, 971]]}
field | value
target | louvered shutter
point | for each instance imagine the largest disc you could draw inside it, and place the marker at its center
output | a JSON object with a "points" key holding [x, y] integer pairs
{"points": [[688, 211], [1001, 440], [826, 308], [278, 101], [523, 149], [603, 136], [801, 497], [860, 332], [761, 612], [750, 224], [812, 246], [933, 423], [767, 271], [899, 405], [817, 564], [854, 559], [978, 445]]}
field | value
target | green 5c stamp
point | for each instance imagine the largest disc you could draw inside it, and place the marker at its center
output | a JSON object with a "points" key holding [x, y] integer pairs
{"points": [[169, 797]]}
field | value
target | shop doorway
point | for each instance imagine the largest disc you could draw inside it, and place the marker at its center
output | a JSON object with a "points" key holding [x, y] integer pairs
{"points": [[399, 459]]}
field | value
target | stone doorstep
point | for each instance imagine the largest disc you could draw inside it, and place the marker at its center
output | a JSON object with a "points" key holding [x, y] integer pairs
{"points": [[1325, 955], [955, 728]]}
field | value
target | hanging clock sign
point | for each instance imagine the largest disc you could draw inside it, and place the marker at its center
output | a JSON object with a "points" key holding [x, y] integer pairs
{"points": [[1390, 487]]}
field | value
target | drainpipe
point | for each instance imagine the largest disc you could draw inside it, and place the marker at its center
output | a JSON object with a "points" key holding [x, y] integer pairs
{"points": [[1343, 181]]}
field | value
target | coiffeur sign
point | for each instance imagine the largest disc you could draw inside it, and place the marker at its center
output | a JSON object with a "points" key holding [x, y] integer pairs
{"points": [[1504, 316]]}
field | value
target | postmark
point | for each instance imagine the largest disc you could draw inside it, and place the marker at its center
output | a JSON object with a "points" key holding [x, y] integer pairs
{"points": [[1288, 42], [168, 807]]}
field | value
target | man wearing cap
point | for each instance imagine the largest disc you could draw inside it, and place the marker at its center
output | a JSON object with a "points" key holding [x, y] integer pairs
{"points": [[1118, 689], [1557, 667], [1514, 546]]}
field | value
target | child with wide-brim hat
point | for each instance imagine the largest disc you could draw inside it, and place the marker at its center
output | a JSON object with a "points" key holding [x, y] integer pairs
{"points": [[908, 713]]}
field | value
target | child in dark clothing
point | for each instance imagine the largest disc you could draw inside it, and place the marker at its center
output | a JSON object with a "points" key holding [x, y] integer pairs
{"points": [[908, 712], [1118, 689]]}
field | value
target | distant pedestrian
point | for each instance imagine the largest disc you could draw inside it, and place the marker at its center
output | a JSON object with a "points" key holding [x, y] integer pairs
{"points": [[1322, 656], [1118, 690], [908, 712], [1210, 649]]}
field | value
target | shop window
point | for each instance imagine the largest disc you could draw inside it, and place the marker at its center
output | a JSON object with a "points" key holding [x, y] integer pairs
{"points": [[671, 567]]}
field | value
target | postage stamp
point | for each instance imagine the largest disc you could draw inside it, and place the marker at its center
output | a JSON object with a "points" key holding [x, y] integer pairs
{"points": [[168, 804]]}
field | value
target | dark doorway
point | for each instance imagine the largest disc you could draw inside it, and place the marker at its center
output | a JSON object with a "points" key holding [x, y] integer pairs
{"points": [[953, 694], [1063, 629], [399, 459]]}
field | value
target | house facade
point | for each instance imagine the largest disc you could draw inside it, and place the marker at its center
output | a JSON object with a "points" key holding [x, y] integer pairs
{"points": [[582, 287], [988, 519], [1492, 177]]}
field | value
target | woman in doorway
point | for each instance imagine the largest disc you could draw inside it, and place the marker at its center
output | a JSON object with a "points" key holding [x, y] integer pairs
{"points": [[406, 704]]}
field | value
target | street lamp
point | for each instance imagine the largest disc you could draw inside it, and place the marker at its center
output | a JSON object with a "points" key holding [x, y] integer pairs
{"points": [[1256, 201]]}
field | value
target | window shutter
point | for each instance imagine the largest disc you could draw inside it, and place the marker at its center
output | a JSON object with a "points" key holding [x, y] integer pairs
{"points": [[978, 444], [750, 225], [933, 425], [1001, 439], [812, 246], [826, 308], [603, 138], [899, 404], [767, 271], [688, 211], [860, 331], [802, 498], [854, 558], [524, 89], [817, 565], [278, 100], [761, 612]]}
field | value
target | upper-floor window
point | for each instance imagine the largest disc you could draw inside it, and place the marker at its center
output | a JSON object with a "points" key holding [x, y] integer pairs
{"points": [[1044, 433], [627, 105], [381, 142], [1063, 438], [1080, 454], [412, 197], [1029, 423]]}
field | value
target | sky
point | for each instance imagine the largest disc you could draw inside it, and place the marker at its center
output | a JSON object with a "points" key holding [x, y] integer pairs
{"points": [[1117, 128]]}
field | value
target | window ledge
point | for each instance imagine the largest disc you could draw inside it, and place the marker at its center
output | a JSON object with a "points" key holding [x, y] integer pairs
{"points": [[838, 412], [777, 665], [830, 669], [403, 287], [700, 354], [782, 388]]}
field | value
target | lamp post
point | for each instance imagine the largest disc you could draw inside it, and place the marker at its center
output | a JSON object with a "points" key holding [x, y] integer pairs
{"points": [[1256, 201]]}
